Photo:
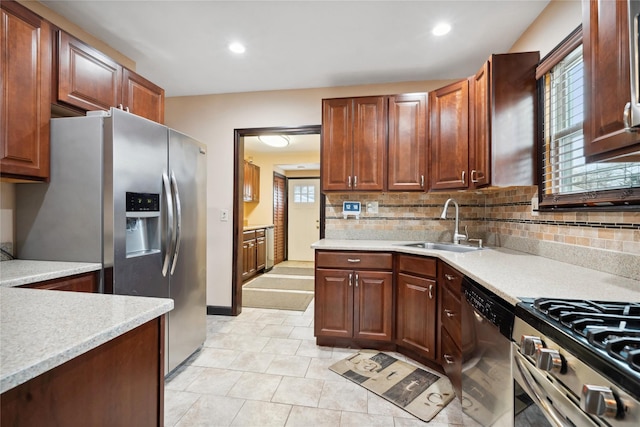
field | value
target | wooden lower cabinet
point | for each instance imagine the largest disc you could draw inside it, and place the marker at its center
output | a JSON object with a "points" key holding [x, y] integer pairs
{"points": [[451, 354], [416, 319], [119, 383], [86, 282], [357, 302], [254, 253]]}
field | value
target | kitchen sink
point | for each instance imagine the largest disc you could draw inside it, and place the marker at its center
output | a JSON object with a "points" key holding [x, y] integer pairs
{"points": [[442, 246]]}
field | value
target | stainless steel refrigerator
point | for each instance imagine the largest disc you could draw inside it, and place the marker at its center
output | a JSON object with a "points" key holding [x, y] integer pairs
{"points": [[131, 194]]}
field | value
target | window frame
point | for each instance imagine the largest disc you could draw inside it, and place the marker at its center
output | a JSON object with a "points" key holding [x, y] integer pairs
{"points": [[603, 200]]}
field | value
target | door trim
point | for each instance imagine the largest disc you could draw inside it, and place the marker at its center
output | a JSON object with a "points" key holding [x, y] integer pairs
{"points": [[238, 205]]}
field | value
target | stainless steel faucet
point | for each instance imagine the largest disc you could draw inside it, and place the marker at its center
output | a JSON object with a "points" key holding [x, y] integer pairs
{"points": [[456, 234]]}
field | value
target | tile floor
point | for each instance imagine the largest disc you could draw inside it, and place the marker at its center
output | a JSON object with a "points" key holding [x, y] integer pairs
{"points": [[263, 368]]}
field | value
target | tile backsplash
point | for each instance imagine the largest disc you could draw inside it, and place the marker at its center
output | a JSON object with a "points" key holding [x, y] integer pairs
{"points": [[607, 241]]}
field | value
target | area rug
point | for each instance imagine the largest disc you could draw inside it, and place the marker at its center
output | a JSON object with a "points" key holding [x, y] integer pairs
{"points": [[280, 293], [421, 393]]}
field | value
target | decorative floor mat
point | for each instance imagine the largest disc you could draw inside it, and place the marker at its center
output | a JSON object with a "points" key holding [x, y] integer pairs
{"points": [[417, 391]]}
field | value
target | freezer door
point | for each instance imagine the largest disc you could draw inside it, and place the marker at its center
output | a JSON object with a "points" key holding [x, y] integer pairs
{"points": [[134, 167], [187, 321]]}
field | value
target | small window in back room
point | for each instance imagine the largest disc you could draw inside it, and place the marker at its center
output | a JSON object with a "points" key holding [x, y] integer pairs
{"points": [[304, 194], [567, 180]]}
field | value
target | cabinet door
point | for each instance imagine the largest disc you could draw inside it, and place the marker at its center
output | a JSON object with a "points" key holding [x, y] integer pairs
{"points": [[452, 361], [87, 78], [25, 107], [369, 143], [480, 128], [336, 148], [246, 260], [416, 315], [248, 182], [334, 303], [141, 97], [255, 183], [261, 253], [373, 310], [606, 71], [449, 117], [407, 157]]}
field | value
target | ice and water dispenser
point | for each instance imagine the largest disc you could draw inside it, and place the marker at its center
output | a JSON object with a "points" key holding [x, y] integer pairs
{"points": [[143, 224]]}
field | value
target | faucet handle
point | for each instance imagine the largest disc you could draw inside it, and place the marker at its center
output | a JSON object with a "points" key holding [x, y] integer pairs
{"points": [[466, 232]]}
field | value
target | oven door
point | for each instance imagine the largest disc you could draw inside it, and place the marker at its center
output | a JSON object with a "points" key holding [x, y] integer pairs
{"points": [[540, 402]]}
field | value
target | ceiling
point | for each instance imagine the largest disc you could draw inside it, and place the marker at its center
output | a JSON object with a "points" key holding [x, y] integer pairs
{"points": [[182, 45], [297, 144]]}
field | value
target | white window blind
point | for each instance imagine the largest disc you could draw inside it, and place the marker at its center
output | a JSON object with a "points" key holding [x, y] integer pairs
{"points": [[565, 171]]}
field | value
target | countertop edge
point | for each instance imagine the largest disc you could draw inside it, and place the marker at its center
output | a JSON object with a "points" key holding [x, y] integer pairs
{"points": [[45, 270]]}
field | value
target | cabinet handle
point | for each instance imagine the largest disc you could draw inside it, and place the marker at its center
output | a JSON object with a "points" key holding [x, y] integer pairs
{"points": [[353, 259], [355, 181], [449, 313], [126, 109], [449, 277], [349, 181], [120, 106], [430, 291], [449, 359], [421, 181], [350, 279], [463, 177], [357, 278], [473, 176]]}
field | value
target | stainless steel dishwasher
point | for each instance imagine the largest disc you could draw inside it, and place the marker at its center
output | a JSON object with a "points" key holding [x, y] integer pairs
{"points": [[487, 384]]}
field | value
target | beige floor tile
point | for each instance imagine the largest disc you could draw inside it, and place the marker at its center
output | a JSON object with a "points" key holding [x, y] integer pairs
{"points": [[355, 419], [214, 381], [246, 328], [343, 396], [211, 411], [182, 377], [302, 333], [255, 386], [301, 416], [237, 342], [282, 346], [176, 404], [310, 349], [408, 422], [262, 414], [292, 366], [275, 318], [319, 369], [276, 331], [299, 391], [214, 357], [252, 362], [298, 321]]}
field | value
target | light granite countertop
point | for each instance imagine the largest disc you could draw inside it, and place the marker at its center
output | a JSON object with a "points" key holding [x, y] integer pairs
{"points": [[514, 275], [256, 227], [42, 329], [23, 272]]}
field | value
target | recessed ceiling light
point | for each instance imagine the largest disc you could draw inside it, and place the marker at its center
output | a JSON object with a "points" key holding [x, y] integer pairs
{"points": [[237, 48], [441, 29]]}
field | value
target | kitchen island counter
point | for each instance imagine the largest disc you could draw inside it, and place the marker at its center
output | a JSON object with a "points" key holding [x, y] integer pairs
{"points": [[24, 272], [41, 330], [512, 274]]}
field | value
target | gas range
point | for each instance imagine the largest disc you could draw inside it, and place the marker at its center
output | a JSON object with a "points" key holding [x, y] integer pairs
{"points": [[588, 352]]}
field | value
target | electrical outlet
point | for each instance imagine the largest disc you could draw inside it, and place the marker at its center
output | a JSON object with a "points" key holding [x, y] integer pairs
{"points": [[372, 207], [224, 215], [534, 206]]}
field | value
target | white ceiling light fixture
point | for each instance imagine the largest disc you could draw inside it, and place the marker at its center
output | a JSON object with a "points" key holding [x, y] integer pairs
{"points": [[278, 141], [441, 29], [237, 47]]}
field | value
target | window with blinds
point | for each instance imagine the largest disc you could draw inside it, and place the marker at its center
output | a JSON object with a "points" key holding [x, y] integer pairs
{"points": [[566, 178]]}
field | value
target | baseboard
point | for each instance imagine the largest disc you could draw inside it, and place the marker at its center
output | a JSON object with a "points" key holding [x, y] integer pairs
{"points": [[222, 311]]}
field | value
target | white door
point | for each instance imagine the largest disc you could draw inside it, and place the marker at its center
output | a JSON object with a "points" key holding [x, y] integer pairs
{"points": [[304, 218]]}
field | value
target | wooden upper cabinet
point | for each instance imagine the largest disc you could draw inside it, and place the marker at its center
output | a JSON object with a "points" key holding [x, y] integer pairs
{"points": [[251, 185], [449, 131], [353, 151], [90, 80], [87, 78], [25, 106], [142, 97], [502, 105], [605, 30], [407, 155]]}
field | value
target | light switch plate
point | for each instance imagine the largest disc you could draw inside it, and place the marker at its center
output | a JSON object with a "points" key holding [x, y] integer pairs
{"points": [[224, 215], [534, 206]]}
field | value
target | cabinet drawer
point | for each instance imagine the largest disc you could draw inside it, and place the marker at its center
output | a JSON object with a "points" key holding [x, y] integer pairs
{"points": [[354, 260], [451, 278], [86, 282], [420, 266], [260, 233], [450, 314], [248, 235], [452, 362]]}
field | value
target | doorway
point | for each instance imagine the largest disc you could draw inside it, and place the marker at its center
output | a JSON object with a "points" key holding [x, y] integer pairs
{"points": [[240, 137], [304, 217]]}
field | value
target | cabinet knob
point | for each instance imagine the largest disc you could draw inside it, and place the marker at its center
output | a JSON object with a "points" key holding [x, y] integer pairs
{"points": [[598, 400], [449, 313], [449, 277]]}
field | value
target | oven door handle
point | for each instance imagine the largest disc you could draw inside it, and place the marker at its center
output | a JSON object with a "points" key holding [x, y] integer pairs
{"points": [[536, 393]]}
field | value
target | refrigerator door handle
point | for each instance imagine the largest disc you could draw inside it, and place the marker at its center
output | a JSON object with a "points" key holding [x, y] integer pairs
{"points": [[178, 234], [169, 240]]}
